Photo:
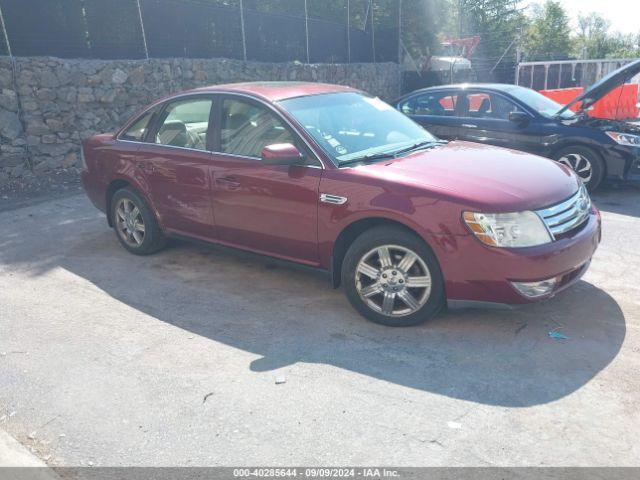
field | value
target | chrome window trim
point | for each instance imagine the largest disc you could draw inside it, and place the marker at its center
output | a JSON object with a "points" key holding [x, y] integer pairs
{"points": [[167, 146], [243, 157], [321, 165]]}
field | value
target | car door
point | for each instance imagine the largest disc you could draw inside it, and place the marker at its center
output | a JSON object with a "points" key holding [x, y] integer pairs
{"points": [[271, 209], [175, 161], [485, 118], [435, 111]]}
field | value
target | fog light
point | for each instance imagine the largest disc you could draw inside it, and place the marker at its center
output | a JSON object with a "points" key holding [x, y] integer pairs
{"points": [[536, 289]]}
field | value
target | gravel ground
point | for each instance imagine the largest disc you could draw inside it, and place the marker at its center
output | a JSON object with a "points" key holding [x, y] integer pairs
{"points": [[33, 189], [207, 356]]}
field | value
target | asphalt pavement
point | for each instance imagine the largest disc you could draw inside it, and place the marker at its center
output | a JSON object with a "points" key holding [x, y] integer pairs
{"points": [[207, 356]]}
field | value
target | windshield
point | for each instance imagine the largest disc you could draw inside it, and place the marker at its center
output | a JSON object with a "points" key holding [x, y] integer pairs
{"points": [[351, 126], [541, 104]]}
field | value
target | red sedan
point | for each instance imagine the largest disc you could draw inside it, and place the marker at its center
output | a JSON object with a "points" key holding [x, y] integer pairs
{"points": [[331, 177]]}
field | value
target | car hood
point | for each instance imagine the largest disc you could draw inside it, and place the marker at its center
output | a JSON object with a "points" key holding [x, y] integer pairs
{"points": [[599, 89], [486, 178], [608, 125]]}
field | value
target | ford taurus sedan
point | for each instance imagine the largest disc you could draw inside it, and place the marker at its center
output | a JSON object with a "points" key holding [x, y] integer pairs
{"points": [[330, 177], [521, 118]]}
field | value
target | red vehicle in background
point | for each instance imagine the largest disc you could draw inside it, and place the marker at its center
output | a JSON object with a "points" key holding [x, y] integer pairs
{"points": [[333, 178]]}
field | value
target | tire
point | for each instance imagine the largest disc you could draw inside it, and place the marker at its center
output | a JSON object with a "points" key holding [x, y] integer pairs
{"points": [[575, 157], [147, 237], [367, 291]]}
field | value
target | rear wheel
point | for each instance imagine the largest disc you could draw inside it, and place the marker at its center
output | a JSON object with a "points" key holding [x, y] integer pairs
{"points": [[135, 224], [391, 277], [587, 164]]}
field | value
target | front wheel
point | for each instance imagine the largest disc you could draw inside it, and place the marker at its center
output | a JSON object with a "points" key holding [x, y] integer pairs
{"points": [[587, 164], [391, 277]]}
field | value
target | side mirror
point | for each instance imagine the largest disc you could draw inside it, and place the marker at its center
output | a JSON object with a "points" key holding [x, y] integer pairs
{"points": [[521, 118], [281, 154]]}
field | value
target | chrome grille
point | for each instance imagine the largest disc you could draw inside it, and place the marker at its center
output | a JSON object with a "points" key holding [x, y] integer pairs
{"points": [[567, 215]]}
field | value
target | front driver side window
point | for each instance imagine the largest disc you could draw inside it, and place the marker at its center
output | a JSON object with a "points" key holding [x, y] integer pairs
{"points": [[490, 106], [247, 128], [501, 108], [185, 124]]}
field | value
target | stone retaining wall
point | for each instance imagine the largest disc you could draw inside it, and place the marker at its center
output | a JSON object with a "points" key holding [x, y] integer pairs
{"points": [[12, 139], [52, 103]]}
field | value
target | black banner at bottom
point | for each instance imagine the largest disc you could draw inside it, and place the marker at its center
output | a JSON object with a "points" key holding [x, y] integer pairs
{"points": [[371, 473]]}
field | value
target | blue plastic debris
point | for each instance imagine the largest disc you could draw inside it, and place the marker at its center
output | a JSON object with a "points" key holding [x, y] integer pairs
{"points": [[558, 335]]}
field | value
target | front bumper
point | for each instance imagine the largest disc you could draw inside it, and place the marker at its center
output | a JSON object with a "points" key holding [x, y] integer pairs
{"points": [[628, 156], [475, 272]]}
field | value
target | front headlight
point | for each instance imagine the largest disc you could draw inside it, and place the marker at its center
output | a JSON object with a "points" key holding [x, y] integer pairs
{"points": [[625, 139], [518, 229]]}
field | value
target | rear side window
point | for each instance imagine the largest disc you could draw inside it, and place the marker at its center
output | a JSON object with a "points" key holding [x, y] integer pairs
{"points": [[440, 104], [185, 124], [138, 130]]}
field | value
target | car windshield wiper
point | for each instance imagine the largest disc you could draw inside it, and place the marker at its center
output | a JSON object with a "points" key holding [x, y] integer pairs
{"points": [[418, 145], [395, 153], [369, 157]]}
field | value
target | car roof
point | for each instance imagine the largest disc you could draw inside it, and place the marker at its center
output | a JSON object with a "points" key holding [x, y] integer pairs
{"points": [[275, 91], [500, 87]]}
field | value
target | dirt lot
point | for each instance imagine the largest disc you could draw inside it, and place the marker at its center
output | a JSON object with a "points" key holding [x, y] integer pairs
{"points": [[206, 356]]}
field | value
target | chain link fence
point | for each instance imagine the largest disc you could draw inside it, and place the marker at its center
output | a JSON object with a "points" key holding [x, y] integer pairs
{"points": [[137, 29]]}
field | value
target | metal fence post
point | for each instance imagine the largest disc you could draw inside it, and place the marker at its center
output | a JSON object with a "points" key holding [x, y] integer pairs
{"points": [[373, 28], [400, 63], [14, 82], [87, 33], [144, 35], [4, 32], [306, 28], [348, 31], [399, 32], [546, 76], [244, 39]]}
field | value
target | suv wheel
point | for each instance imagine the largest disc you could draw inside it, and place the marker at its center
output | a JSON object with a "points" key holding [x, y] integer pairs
{"points": [[391, 277], [585, 162], [135, 224]]}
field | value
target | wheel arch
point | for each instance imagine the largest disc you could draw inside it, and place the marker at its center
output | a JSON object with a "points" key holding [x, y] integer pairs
{"points": [[119, 183], [354, 229], [598, 149], [112, 188]]}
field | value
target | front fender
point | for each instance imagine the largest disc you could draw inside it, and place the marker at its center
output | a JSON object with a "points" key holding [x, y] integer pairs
{"points": [[433, 216]]}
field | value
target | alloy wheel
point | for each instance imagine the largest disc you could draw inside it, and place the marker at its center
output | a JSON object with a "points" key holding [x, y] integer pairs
{"points": [[393, 280], [579, 164], [129, 222]]}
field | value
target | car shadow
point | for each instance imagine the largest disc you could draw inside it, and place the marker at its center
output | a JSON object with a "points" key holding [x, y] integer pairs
{"points": [[620, 198], [288, 314]]}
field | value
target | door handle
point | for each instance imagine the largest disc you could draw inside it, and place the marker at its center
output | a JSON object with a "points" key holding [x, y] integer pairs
{"points": [[469, 125]]}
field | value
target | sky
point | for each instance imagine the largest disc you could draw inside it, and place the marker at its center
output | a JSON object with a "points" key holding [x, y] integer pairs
{"points": [[623, 14]]}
